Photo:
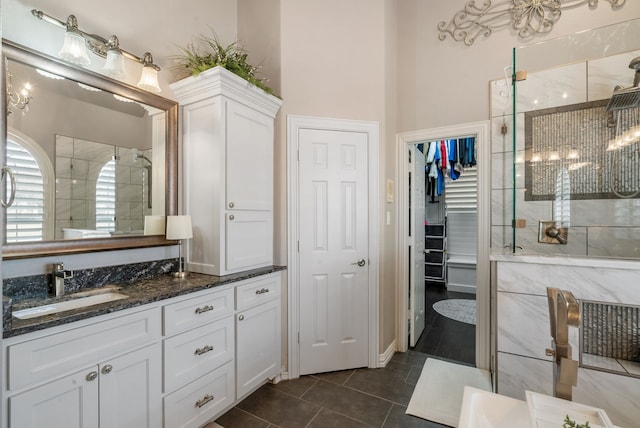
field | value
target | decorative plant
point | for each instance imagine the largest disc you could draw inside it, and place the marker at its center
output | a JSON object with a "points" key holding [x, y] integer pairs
{"points": [[209, 53], [568, 423]]}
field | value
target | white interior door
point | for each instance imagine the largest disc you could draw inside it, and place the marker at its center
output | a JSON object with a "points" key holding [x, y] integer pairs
{"points": [[416, 277], [334, 259]]}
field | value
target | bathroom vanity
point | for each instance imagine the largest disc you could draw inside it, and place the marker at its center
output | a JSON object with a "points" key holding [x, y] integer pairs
{"points": [[173, 353]]}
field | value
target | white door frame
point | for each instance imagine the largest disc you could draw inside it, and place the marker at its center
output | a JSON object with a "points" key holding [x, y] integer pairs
{"points": [[294, 125], [483, 326]]}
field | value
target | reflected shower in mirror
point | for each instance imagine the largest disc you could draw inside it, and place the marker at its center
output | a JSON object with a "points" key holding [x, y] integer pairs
{"points": [[100, 149], [92, 158]]}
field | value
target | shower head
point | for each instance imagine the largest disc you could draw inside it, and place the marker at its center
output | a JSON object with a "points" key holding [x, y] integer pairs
{"points": [[624, 98]]}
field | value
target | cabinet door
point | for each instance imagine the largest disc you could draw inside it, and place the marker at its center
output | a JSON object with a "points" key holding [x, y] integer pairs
{"points": [[249, 240], [258, 346], [130, 393], [249, 167], [69, 402]]}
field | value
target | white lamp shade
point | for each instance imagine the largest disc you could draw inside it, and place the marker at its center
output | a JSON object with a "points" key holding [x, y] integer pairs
{"points": [[74, 49], [179, 227], [114, 65], [154, 225], [149, 79]]}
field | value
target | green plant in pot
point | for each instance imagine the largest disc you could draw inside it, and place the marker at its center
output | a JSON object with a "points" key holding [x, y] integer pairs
{"points": [[209, 52]]}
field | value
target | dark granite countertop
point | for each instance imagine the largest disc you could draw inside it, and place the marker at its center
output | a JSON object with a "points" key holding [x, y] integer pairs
{"points": [[139, 293]]}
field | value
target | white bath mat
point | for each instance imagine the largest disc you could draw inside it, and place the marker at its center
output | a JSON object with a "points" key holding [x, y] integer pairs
{"points": [[438, 394], [463, 310]]}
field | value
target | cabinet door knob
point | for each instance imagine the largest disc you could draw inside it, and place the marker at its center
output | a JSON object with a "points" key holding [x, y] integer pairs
{"points": [[92, 376], [241, 317], [207, 398], [231, 217], [107, 369], [204, 350], [231, 205], [204, 309]]}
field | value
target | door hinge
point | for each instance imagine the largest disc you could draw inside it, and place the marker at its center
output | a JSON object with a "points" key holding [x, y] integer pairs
{"points": [[298, 154], [410, 313], [298, 246], [298, 337]]}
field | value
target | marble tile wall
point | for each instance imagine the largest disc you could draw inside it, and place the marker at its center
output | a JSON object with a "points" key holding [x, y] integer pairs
{"points": [[599, 228], [523, 330]]}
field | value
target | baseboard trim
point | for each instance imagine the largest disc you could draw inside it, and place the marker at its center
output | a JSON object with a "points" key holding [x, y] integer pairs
{"points": [[385, 357], [461, 288]]}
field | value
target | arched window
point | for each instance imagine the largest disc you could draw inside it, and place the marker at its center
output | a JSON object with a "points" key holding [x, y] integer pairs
{"points": [[106, 198], [30, 217]]}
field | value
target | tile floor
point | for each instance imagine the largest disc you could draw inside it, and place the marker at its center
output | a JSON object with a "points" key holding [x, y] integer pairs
{"points": [[444, 337], [360, 397], [350, 398]]}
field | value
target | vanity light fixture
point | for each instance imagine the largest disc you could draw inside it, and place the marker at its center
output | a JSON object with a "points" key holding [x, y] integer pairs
{"points": [[178, 229], [114, 64], [76, 43]]}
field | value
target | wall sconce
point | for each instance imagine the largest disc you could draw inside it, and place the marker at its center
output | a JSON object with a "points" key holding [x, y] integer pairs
{"points": [[179, 228], [75, 46], [17, 99]]}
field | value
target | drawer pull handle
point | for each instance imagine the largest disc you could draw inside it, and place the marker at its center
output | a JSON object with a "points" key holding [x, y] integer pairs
{"points": [[107, 369], [92, 376], [204, 309], [207, 398], [262, 291], [204, 350], [241, 317]]}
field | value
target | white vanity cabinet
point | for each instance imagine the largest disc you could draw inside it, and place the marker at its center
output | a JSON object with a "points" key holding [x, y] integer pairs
{"points": [[227, 141], [199, 354], [175, 363], [258, 333], [103, 374]]}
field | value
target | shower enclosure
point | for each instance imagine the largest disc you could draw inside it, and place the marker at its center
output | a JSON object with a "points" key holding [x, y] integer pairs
{"points": [[567, 181]]}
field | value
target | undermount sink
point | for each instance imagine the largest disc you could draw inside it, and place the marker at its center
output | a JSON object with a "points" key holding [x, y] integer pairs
{"points": [[78, 300], [483, 409]]}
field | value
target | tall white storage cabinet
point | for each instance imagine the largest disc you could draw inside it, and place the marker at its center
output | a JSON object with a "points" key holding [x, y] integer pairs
{"points": [[227, 171]]}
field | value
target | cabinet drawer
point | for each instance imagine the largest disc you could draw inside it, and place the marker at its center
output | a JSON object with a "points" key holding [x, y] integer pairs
{"points": [[191, 354], [202, 400], [190, 313], [47, 357], [257, 291]]}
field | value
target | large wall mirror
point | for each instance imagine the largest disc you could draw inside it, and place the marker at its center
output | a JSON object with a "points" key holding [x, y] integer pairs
{"points": [[92, 158]]}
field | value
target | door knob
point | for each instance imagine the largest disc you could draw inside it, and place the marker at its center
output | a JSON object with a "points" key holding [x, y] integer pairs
{"points": [[360, 262]]}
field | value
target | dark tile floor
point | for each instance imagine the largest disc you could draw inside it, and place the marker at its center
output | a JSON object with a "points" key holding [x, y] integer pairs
{"points": [[360, 397], [444, 337], [350, 398]]}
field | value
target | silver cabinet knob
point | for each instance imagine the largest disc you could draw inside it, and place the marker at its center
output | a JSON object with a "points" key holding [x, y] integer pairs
{"points": [[231, 217], [107, 369], [360, 262], [91, 376], [241, 317], [231, 205]]}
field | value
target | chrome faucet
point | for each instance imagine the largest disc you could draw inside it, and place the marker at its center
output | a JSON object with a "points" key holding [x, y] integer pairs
{"points": [[59, 275], [564, 311]]}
